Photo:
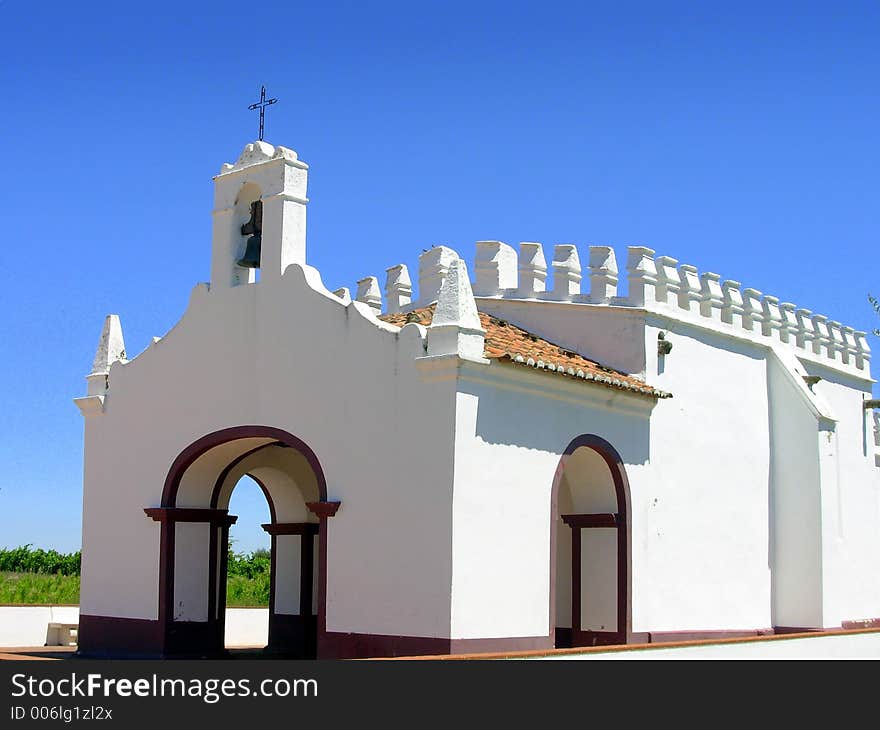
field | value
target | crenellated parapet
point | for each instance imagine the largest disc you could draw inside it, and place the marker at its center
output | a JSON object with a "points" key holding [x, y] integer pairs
{"points": [[659, 284]]}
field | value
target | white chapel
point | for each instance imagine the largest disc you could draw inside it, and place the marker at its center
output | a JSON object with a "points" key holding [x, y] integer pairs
{"points": [[512, 454]]}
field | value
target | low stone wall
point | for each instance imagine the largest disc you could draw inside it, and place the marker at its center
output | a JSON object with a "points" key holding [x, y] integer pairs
{"points": [[30, 625]]}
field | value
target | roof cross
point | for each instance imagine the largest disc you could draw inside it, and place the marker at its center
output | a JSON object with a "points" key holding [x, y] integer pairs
{"points": [[261, 105]]}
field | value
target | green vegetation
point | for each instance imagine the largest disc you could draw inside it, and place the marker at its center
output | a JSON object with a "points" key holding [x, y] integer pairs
{"points": [[247, 578], [26, 559], [39, 588], [36, 576]]}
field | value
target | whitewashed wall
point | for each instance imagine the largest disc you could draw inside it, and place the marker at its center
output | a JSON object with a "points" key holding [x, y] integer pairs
{"points": [[704, 516], [510, 433], [287, 354], [795, 503], [850, 502], [27, 626]]}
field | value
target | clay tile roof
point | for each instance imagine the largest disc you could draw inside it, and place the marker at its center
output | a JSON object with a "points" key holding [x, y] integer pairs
{"points": [[506, 342]]}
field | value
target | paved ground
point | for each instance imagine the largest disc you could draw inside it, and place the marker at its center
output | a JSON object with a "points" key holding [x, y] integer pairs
{"points": [[30, 653]]}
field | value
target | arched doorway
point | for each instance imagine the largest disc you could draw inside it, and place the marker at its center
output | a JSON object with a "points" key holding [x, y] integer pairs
{"points": [[590, 546], [195, 525]]}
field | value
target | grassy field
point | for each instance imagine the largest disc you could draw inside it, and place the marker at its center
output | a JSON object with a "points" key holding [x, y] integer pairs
{"points": [[39, 588], [35, 576], [42, 589]]}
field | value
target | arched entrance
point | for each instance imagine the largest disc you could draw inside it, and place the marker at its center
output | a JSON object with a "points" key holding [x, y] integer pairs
{"points": [[590, 546], [195, 525]]}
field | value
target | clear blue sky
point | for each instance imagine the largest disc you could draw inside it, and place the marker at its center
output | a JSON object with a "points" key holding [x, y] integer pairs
{"points": [[739, 137]]}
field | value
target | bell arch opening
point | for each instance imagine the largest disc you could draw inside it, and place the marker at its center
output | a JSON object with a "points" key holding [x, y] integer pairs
{"points": [[247, 224], [195, 531], [590, 546]]}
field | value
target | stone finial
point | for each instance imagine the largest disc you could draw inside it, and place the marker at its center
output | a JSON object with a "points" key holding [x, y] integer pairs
{"points": [[822, 339], [668, 281], [863, 351], [603, 274], [344, 294], [433, 267], [111, 348], [495, 268], [837, 350], [689, 294], [711, 296], [806, 333], [253, 154], [398, 288], [642, 276], [789, 329], [566, 272], [753, 311], [732, 311], [772, 324], [368, 292], [532, 270], [455, 328]]}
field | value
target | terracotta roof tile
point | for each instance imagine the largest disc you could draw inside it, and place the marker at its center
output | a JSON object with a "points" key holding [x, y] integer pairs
{"points": [[506, 342]]}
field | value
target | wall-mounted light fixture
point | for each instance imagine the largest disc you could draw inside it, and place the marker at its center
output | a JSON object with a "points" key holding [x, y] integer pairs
{"points": [[664, 346]]}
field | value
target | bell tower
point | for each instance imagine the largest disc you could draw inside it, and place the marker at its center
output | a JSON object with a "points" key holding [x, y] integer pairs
{"points": [[268, 236]]}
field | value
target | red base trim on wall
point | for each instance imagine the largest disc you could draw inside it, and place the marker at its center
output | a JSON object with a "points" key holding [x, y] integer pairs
{"points": [[293, 636], [114, 637], [339, 645], [656, 637], [109, 636], [862, 623]]}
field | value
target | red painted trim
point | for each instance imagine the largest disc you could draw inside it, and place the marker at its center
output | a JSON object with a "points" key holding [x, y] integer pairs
{"points": [[752, 637], [180, 635], [595, 520], [794, 630], [576, 552], [218, 485], [103, 636], [292, 636], [862, 623], [273, 580], [323, 509], [624, 537], [291, 528], [657, 637], [190, 514], [306, 572], [340, 645], [213, 567], [223, 576], [192, 452]]}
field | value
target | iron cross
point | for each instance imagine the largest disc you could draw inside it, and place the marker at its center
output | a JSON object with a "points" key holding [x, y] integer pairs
{"points": [[261, 105]]}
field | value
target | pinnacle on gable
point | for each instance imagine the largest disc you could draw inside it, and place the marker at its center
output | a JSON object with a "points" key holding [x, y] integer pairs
{"points": [[455, 302], [368, 293], [111, 348], [398, 288], [434, 264], [455, 328]]}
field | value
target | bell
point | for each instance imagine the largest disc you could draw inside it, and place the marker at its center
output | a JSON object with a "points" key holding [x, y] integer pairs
{"points": [[251, 258]]}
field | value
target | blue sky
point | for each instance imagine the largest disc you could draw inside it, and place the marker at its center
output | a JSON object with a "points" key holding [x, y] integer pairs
{"points": [[739, 137]]}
